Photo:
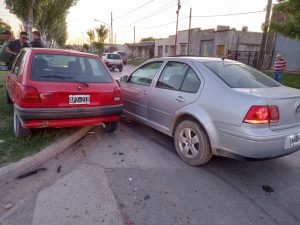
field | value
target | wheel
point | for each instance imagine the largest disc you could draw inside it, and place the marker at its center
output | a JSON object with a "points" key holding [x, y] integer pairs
{"points": [[110, 126], [121, 68], [19, 130], [8, 100], [192, 143]]}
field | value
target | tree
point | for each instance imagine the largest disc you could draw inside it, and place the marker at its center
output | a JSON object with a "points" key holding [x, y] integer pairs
{"points": [[85, 47], [52, 20], [289, 22], [148, 39], [91, 35], [102, 33], [25, 10], [3, 26]]}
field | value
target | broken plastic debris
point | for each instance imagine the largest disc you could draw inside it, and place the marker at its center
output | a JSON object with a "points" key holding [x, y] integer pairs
{"points": [[8, 206]]}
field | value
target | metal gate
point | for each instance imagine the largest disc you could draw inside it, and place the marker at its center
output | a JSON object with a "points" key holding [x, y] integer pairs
{"points": [[247, 57]]}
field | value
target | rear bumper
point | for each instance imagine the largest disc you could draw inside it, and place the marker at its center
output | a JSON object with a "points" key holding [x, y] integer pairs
{"points": [[259, 147], [26, 114]]}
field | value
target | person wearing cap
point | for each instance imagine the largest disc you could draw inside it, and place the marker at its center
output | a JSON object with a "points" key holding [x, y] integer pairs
{"points": [[279, 67], [37, 42], [4, 57], [14, 47]]}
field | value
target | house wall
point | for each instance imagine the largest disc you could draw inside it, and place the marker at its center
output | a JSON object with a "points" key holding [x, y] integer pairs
{"points": [[290, 49]]}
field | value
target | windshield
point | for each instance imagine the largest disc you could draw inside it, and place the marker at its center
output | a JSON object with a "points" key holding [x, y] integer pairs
{"points": [[68, 68], [237, 75], [113, 56]]}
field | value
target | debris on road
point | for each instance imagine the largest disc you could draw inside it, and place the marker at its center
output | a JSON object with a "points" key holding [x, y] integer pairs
{"points": [[130, 179], [30, 173], [58, 169], [8, 206], [147, 197], [128, 221], [267, 188]]}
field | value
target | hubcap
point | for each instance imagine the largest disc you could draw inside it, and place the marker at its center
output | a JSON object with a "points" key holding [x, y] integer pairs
{"points": [[189, 142]]}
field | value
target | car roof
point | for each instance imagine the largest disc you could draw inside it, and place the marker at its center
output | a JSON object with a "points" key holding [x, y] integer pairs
{"points": [[60, 51], [194, 58]]}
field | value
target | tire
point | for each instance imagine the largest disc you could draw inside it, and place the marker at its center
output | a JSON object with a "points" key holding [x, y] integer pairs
{"points": [[7, 98], [110, 127], [192, 143], [121, 68], [19, 130]]}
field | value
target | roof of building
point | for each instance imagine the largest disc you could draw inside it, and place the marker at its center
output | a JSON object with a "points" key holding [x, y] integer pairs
{"points": [[141, 44]]}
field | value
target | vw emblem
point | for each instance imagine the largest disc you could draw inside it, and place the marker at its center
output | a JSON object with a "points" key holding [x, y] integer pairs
{"points": [[78, 88], [297, 107]]}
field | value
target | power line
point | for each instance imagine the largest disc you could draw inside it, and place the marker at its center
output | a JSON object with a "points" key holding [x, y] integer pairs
{"points": [[155, 13], [232, 14], [162, 25], [133, 10]]}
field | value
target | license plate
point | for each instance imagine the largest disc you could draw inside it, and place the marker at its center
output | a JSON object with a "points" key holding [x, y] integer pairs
{"points": [[79, 99]]}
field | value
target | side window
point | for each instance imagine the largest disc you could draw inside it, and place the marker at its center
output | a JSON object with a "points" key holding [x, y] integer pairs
{"points": [[172, 76], [18, 63], [145, 74], [191, 82]]}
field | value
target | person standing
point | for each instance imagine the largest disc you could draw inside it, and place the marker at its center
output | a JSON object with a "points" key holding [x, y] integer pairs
{"points": [[4, 57], [37, 42], [279, 67], [14, 47]]}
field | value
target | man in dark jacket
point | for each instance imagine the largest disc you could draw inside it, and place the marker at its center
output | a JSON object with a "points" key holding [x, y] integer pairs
{"points": [[37, 42], [14, 47]]}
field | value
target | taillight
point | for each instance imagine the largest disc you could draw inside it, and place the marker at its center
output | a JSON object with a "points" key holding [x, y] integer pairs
{"points": [[262, 114], [30, 95], [117, 94]]}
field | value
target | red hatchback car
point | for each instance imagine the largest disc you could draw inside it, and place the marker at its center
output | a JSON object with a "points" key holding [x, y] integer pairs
{"points": [[61, 88]]}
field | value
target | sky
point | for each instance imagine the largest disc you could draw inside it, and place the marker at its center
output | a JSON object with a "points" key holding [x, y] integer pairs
{"points": [[156, 18]]}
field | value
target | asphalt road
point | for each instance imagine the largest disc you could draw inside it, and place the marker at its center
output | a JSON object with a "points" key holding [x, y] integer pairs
{"points": [[134, 176]]}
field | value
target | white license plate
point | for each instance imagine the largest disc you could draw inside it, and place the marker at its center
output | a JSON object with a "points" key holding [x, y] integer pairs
{"points": [[79, 99]]}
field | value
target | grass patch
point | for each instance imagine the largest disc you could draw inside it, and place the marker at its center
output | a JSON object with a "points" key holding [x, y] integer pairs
{"points": [[12, 148], [289, 79], [136, 62]]}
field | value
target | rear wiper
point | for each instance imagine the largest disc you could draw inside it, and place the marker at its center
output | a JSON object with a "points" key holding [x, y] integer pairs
{"points": [[65, 78]]}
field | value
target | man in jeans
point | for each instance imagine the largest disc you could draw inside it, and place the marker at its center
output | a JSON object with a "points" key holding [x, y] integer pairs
{"points": [[14, 47], [280, 65]]}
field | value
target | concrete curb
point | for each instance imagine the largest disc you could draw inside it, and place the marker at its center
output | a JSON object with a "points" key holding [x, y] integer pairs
{"points": [[13, 170]]}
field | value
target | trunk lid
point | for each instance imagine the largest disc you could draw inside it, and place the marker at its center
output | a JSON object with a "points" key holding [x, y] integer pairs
{"points": [[58, 95], [287, 100]]}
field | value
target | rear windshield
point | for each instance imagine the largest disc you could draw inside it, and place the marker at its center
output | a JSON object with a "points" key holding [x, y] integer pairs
{"points": [[113, 56], [237, 75], [68, 68]]}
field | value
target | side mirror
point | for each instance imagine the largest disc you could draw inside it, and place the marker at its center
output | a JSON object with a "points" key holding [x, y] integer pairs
{"points": [[124, 79], [3, 68]]}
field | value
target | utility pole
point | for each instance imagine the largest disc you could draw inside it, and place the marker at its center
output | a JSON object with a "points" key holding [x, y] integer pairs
{"points": [[189, 37], [177, 12], [115, 38], [111, 27], [264, 36], [134, 34]]}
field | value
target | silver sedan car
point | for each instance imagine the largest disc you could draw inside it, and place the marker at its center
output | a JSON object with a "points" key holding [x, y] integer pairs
{"points": [[213, 106]]}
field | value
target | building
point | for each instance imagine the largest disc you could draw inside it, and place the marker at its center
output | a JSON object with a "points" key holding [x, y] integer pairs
{"points": [[241, 45], [143, 50]]}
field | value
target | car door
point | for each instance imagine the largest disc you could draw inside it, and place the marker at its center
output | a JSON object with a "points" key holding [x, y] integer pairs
{"points": [[12, 78], [178, 85], [135, 91]]}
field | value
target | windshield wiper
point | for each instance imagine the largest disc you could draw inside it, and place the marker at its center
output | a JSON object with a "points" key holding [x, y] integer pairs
{"points": [[65, 78]]}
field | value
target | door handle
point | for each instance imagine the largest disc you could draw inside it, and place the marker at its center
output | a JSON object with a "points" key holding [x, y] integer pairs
{"points": [[180, 99], [143, 92]]}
